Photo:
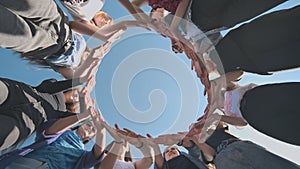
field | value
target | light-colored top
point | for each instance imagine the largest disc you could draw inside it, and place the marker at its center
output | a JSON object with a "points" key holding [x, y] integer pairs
{"points": [[233, 99], [86, 11], [123, 165]]}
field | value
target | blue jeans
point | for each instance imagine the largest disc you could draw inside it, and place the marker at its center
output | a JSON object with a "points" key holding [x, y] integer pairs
{"points": [[28, 163], [247, 155]]}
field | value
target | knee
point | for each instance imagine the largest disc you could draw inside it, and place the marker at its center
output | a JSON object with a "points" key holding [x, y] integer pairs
{"points": [[3, 93]]}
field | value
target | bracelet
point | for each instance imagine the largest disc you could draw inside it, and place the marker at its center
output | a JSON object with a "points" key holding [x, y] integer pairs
{"points": [[180, 143], [140, 146], [120, 142]]}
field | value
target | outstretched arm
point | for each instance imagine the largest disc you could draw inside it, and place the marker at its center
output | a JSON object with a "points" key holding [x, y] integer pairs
{"points": [[65, 123], [179, 14], [208, 151], [112, 156], [139, 142], [158, 158], [100, 136]]}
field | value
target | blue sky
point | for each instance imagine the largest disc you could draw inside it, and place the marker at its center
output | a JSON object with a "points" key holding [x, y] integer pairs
{"points": [[143, 86]]}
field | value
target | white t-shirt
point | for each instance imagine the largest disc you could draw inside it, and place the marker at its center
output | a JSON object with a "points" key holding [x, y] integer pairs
{"points": [[233, 99], [123, 165], [85, 12]]}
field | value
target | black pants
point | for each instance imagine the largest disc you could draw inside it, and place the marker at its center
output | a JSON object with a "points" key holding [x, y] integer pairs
{"points": [[211, 14], [273, 109], [267, 44]]}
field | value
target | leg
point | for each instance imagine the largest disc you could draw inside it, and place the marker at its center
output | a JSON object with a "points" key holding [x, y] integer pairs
{"points": [[273, 109], [31, 25], [267, 44], [27, 163], [208, 15], [247, 155], [3, 92]]}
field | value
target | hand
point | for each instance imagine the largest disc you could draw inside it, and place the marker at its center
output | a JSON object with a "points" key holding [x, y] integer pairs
{"points": [[130, 136], [196, 128], [101, 51], [97, 119], [169, 139], [151, 142], [89, 86], [113, 132]]}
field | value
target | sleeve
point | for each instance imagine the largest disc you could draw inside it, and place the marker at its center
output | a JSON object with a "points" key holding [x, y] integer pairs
{"points": [[75, 11], [87, 160], [52, 86], [40, 132], [42, 140]]}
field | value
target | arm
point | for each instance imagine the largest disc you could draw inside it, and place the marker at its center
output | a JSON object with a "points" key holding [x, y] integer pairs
{"points": [[236, 121], [193, 145], [65, 123], [137, 141], [103, 33], [158, 158], [90, 30], [140, 15], [180, 11], [100, 136], [52, 86], [147, 160], [110, 159], [139, 3]]}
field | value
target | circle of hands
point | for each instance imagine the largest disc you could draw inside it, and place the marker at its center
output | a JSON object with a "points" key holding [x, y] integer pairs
{"points": [[213, 89]]}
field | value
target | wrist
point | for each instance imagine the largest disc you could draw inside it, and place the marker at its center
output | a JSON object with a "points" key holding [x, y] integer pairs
{"points": [[118, 141]]}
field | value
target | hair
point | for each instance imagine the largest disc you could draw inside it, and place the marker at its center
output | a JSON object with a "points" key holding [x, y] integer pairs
{"points": [[128, 156], [103, 15]]}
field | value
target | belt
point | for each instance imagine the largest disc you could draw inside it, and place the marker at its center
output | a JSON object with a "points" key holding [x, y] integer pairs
{"points": [[225, 143]]}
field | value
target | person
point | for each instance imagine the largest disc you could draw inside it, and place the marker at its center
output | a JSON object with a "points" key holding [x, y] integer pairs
{"points": [[116, 155], [55, 144], [25, 108], [172, 157], [210, 15], [252, 48], [234, 153], [87, 11], [42, 33], [262, 106]]}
